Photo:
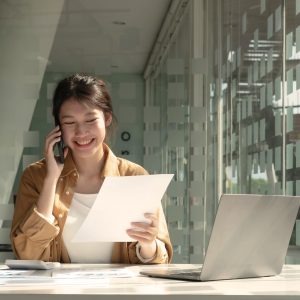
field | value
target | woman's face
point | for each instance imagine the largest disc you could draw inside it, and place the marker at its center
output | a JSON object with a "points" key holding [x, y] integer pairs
{"points": [[83, 128]]}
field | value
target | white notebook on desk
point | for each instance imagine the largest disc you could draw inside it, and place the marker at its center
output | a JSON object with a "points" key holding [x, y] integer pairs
{"points": [[120, 201]]}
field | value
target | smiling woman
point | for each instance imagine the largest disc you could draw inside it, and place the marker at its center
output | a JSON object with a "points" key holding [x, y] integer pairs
{"points": [[54, 198]]}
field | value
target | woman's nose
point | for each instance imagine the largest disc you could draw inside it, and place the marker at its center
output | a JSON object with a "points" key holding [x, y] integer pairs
{"points": [[80, 129]]}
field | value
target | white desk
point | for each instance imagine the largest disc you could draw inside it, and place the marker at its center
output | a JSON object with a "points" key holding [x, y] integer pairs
{"points": [[284, 286]]}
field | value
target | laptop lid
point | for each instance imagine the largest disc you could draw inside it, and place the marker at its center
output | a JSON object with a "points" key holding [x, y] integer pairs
{"points": [[250, 236]]}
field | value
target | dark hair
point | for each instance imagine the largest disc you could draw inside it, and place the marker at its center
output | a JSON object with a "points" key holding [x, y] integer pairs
{"points": [[82, 88]]}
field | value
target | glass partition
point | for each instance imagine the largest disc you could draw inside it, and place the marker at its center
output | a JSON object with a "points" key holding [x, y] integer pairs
{"points": [[257, 61], [240, 100]]}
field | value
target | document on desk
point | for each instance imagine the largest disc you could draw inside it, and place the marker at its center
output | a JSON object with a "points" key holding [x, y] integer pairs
{"points": [[9, 276], [94, 273], [120, 201]]}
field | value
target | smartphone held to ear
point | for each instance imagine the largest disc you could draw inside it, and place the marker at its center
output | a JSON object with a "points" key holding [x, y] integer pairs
{"points": [[60, 147]]}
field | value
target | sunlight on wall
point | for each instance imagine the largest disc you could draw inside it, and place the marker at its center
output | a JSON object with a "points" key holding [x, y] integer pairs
{"points": [[27, 34]]}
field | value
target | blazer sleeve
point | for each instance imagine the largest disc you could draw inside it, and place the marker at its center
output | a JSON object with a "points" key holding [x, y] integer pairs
{"points": [[31, 234]]}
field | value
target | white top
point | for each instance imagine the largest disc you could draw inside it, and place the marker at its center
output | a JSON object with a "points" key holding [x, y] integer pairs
{"points": [[94, 252]]}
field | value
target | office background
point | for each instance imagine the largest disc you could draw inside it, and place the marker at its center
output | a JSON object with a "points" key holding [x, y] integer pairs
{"points": [[212, 95]]}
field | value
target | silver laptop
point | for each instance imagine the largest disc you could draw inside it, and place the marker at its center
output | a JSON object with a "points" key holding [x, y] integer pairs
{"points": [[250, 237]]}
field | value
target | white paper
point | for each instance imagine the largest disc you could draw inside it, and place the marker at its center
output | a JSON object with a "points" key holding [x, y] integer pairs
{"points": [[92, 273], [120, 201]]}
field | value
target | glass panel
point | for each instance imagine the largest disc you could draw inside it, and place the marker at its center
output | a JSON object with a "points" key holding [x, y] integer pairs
{"points": [[292, 107], [252, 97], [169, 92], [249, 114]]}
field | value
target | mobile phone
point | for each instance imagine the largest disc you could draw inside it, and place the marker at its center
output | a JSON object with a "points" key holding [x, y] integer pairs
{"points": [[60, 146]]}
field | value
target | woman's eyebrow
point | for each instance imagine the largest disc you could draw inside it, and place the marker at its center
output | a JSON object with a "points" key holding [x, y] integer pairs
{"points": [[86, 114], [67, 116], [91, 113]]}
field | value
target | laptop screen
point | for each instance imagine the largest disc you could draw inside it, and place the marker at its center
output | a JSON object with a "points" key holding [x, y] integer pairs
{"points": [[250, 236]]}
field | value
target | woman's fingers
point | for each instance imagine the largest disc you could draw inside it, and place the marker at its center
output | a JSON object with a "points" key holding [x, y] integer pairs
{"points": [[53, 133], [144, 232], [141, 239], [153, 218], [49, 147], [53, 137], [53, 167]]}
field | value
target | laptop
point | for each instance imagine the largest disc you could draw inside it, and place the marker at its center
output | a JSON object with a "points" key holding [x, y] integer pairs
{"points": [[250, 238]]}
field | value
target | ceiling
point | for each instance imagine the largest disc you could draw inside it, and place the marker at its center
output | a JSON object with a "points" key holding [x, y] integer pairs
{"points": [[106, 36]]}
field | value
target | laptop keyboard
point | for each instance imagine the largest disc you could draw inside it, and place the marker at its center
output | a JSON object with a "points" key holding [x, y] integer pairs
{"points": [[192, 272]]}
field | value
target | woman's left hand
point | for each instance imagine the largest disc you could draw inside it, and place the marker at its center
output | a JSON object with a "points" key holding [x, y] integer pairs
{"points": [[145, 234]]}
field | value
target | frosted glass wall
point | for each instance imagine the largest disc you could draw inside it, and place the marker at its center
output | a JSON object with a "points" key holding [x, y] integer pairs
{"points": [[259, 58], [227, 94], [175, 135]]}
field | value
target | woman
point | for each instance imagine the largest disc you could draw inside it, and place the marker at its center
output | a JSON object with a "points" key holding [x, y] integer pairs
{"points": [[54, 198]]}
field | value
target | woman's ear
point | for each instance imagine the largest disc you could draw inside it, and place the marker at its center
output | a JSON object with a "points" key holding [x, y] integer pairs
{"points": [[108, 119]]}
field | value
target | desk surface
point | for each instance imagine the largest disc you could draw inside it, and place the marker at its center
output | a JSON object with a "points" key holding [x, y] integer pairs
{"points": [[55, 285]]}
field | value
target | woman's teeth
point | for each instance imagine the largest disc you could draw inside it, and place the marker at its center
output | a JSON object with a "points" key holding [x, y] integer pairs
{"points": [[83, 142]]}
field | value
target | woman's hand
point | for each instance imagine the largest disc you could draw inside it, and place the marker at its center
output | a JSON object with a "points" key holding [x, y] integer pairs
{"points": [[46, 199], [53, 167], [145, 234]]}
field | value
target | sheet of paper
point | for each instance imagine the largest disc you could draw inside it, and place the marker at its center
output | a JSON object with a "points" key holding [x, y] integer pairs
{"points": [[93, 273], [120, 201], [15, 273], [9, 276]]}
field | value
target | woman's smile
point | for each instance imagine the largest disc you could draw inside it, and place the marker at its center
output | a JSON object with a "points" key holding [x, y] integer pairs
{"points": [[85, 142]]}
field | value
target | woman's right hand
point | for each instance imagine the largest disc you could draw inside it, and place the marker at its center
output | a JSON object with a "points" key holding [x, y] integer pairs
{"points": [[54, 168], [47, 196]]}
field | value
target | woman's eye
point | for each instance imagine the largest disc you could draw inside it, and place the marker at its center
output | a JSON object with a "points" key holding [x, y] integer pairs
{"points": [[92, 120], [68, 123]]}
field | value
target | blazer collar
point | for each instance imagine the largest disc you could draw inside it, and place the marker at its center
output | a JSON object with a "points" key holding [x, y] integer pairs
{"points": [[110, 167], [111, 163]]}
